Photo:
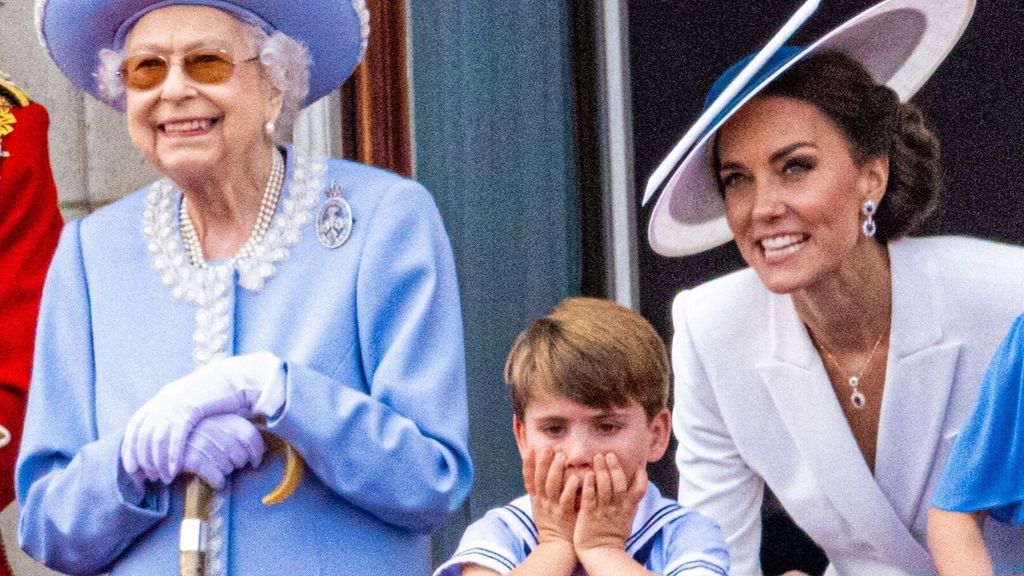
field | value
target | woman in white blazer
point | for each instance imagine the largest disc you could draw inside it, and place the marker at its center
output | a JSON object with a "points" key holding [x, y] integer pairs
{"points": [[841, 364]]}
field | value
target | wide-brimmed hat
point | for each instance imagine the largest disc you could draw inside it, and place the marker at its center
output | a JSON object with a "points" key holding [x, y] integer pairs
{"points": [[899, 42], [335, 32]]}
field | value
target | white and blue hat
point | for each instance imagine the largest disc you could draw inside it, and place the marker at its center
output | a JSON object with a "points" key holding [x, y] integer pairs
{"points": [[335, 32], [899, 42]]}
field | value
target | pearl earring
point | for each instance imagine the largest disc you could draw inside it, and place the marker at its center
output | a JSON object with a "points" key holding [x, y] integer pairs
{"points": [[868, 209], [269, 128]]}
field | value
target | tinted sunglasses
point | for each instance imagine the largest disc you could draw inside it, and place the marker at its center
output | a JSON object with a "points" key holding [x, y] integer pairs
{"points": [[206, 66]]}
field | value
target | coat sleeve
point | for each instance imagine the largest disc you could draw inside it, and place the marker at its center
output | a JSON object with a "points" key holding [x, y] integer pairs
{"points": [[713, 477], [985, 470], [396, 445], [79, 511]]}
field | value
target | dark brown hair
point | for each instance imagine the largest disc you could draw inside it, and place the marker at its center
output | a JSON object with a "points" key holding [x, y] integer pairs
{"points": [[593, 352], [875, 123]]}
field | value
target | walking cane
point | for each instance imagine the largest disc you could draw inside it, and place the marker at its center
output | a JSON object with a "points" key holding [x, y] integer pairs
{"points": [[199, 494]]}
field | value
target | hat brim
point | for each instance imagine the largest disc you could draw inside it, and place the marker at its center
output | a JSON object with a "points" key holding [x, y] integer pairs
{"points": [[74, 31], [899, 42]]}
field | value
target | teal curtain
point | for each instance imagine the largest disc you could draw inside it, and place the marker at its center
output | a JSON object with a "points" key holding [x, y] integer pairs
{"points": [[493, 113]]}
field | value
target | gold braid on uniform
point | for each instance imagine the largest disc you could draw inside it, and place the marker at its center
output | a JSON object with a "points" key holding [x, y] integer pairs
{"points": [[9, 91], [10, 97]]}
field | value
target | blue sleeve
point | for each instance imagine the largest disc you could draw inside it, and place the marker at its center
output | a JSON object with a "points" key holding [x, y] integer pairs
{"points": [[79, 511], [985, 468], [694, 546], [399, 451]]}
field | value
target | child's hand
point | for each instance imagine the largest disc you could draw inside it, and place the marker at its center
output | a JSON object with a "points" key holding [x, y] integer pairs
{"points": [[607, 506], [552, 496]]}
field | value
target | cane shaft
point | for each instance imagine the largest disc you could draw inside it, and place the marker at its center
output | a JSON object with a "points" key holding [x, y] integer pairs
{"points": [[194, 526], [192, 563]]}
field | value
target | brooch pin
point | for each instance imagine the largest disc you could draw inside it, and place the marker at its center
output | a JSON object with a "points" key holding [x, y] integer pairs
{"points": [[334, 224]]}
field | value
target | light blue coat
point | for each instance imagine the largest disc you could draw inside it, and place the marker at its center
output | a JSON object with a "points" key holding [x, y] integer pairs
{"points": [[371, 333]]}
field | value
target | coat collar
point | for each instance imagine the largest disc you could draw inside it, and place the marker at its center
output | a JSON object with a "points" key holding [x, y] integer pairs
{"points": [[881, 509]]}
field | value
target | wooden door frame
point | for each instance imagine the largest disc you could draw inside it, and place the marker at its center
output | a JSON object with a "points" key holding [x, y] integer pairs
{"points": [[375, 104]]}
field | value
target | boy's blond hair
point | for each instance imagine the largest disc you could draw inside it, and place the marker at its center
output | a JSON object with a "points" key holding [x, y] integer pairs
{"points": [[593, 352]]}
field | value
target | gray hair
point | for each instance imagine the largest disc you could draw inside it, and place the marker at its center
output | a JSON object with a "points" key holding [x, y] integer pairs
{"points": [[285, 59]]}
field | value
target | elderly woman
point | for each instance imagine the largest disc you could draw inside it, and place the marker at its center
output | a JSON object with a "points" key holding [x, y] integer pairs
{"points": [[177, 318], [840, 366]]}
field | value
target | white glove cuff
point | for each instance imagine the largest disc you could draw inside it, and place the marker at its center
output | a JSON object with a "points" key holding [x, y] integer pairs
{"points": [[274, 393]]}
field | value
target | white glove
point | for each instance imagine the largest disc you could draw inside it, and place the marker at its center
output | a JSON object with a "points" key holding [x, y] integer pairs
{"points": [[154, 440]]}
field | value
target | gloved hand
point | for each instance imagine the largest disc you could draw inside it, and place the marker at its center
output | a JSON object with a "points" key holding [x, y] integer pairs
{"points": [[219, 445], [154, 440]]}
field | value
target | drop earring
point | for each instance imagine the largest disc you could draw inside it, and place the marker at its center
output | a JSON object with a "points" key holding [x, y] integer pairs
{"points": [[868, 209]]}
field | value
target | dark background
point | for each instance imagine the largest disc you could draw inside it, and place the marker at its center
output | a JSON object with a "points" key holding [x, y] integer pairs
{"points": [[973, 104]]}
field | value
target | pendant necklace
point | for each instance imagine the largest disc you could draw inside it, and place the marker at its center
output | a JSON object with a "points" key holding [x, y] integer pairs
{"points": [[857, 398]]}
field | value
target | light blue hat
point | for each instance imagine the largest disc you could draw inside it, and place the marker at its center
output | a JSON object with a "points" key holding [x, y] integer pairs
{"points": [[899, 42], [335, 31]]}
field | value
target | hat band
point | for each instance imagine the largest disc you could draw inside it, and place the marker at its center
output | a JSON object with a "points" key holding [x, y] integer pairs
{"points": [[234, 9]]}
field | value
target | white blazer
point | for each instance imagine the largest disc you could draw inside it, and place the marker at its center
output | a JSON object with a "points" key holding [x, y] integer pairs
{"points": [[753, 405]]}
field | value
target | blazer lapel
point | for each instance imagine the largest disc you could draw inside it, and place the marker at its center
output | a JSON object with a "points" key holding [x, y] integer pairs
{"points": [[797, 382], [920, 374]]}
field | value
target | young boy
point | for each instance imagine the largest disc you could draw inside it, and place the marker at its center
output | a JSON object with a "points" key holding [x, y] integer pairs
{"points": [[589, 387]]}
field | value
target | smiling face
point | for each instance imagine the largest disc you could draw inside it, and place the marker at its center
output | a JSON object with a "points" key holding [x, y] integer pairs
{"points": [[581, 432], [793, 191], [190, 129]]}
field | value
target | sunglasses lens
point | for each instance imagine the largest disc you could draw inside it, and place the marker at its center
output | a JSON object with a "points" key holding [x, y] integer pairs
{"points": [[208, 66], [144, 71]]}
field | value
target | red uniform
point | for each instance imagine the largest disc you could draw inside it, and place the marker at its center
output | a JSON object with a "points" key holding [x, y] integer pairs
{"points": [[29, 227]]}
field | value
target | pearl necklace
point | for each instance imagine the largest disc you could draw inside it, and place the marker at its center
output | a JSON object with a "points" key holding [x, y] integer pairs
{"points": [[268, 206]]}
